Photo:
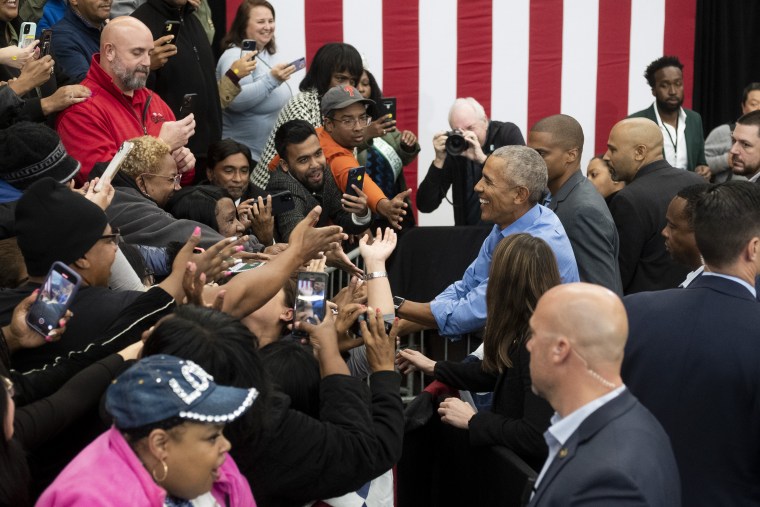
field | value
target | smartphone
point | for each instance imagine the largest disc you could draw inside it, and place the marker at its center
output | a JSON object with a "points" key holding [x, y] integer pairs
{"points": [[388, 107], [26, 34], [113, 166], [247, 46], [55, 297], [282, 202], [300, 63], [171, 27], [355, 177], [188, 105], [311, 299], [46, 41], [245, 266]]}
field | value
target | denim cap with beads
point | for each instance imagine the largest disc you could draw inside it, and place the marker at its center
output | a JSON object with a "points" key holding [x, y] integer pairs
{"points": [[161, 387]]}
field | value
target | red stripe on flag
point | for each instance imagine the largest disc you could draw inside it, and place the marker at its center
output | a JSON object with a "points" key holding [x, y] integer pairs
{"points": [[545, 61], [474, 51], [612, 68], [324, 23], [401, 72], [232, 7], [680, 23]]}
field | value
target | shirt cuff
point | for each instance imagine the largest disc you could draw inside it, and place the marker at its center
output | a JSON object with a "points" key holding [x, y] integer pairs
{"points": [[364, 220], [233, 77]]}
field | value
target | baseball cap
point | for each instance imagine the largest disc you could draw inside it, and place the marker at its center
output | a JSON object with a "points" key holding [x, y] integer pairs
{"points": [[161, 387], [342, 96]]}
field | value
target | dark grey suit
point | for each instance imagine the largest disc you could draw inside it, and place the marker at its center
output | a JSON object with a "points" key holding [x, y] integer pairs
{"points": [[587, 220], [619, 455], [693, 359]]}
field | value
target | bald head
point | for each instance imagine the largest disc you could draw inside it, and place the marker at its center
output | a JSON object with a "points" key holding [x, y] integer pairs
{"points": [[125, 47], [632, 144], [565, 130], [591, 317], [123, 28]]}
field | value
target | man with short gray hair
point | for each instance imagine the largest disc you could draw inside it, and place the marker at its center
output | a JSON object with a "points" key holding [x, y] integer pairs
{"points": [[461, 171], [513, 181]]}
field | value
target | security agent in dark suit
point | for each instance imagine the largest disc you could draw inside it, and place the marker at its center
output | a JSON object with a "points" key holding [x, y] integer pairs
{"points": [[581, 209], [605, 448], [745, 146], [693, 356], [634, 154]]}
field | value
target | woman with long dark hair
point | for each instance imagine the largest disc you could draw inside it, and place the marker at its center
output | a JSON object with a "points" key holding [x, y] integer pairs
{"points": [[522, 269]]}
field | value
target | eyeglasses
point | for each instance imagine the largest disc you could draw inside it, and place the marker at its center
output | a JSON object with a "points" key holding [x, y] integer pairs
{"points": [[362, 121], [113, 237], [174, 180], [8, 386]]}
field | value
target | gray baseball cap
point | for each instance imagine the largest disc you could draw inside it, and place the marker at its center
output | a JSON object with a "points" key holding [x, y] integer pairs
{"points": [[342, 96]]}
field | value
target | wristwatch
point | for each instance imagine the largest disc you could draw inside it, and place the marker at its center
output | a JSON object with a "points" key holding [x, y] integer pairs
{"points": [[397, 302]]}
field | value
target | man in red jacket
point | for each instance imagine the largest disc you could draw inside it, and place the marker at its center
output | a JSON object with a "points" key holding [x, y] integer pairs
{"points": [[120, 107]]}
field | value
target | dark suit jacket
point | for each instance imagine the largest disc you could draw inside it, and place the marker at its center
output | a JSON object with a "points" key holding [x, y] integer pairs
{"points": [[695, 136], [589, 225], [639, 214], [619, 455], [693, 359], [305, 201]]}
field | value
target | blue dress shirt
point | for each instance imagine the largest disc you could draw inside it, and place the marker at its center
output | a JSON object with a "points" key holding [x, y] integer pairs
{"points": [[461, 307]]}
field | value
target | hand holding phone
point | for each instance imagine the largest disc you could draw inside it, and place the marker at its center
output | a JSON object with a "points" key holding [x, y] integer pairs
{"points": [[113, 166], [311, 300], [298, 64], [26, 34], [171, 27], [355, 177], [188, 105], [54, 298]]}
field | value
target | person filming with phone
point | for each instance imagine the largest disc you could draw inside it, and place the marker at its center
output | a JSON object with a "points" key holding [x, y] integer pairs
{"points": [[459, 158]]}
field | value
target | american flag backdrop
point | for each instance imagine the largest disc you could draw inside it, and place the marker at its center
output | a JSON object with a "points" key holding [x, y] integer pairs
{"points": [[521, 59]]}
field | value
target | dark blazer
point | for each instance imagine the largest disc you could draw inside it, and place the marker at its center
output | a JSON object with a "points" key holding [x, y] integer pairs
{"points": [[693, 359], [639, 214], [619, 455], [463, 174], [587, 220], [329, 199], [695, 136]]}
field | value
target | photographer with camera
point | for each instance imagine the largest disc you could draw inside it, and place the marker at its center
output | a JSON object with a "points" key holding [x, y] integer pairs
{"points": [[459, 158]]}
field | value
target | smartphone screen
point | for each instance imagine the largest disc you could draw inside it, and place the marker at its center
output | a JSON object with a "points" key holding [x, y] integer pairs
{"points": [[282, 202], [54, 299], [311, 299], [355, 177], [27, 34], [300, 63]]}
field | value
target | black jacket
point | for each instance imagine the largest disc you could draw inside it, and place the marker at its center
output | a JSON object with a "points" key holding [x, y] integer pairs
{"points": [[463, 174], [191, 70]]}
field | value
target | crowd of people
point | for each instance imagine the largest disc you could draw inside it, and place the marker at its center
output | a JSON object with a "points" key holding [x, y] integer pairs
{"points": [[615, 310]]}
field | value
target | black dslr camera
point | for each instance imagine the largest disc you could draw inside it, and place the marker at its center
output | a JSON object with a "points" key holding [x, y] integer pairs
{"points": [[456, 144]]}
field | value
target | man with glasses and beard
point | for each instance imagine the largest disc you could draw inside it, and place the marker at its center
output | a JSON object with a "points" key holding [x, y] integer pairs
{"points": [[120, 107], [684, 140]]}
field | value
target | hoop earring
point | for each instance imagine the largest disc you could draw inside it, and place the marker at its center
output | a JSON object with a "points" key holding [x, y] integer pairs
{"points": [[166, 473]]}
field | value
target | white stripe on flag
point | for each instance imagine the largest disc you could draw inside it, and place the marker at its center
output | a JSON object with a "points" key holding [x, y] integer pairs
{"points": [[291, 36], [438, 87], [580, 31], [509, 68], [647, 35], [363, 28]]}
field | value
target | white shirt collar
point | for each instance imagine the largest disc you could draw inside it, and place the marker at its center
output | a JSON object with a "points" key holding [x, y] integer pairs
{"points": [[562, 428], [677, 158], [749, 287]]}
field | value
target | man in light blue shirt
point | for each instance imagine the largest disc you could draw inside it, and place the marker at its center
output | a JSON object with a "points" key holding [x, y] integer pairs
{"points": [[605, 448], [513, 182]]}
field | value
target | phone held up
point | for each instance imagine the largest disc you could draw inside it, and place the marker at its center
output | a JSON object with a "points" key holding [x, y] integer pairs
{"points": [[188, 105], [311, 300], [26, 34], [247, 47], [355, 177], [388, 107], [114, 165], [46, 41], [55, 297], [299, 64], [171, 27], [282, 202]]}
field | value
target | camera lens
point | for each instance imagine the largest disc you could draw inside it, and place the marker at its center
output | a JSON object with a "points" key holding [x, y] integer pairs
{"points": [[455, 143]]}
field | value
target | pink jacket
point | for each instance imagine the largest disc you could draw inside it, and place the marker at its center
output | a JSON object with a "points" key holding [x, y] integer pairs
{"points": [[108, 473]]}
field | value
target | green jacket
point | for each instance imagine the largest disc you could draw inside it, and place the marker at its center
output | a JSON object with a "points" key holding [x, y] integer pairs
{"points": [[695, 137]]}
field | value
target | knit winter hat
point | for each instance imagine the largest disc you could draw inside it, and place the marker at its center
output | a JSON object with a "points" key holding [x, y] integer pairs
{"points": [[30, 151], [55, 224]]}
